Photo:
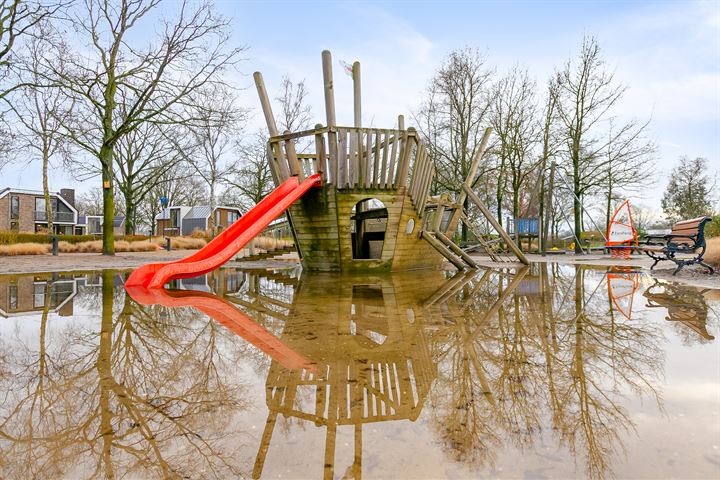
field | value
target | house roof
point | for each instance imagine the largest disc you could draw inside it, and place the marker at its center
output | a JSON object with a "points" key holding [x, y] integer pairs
{"points": [[118, 221], [201, 211], [198, 211], [8, 190]]}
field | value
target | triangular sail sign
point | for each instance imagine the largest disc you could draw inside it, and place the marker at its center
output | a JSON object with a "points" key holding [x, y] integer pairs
{"points": [[621, 288], [621, 230]]}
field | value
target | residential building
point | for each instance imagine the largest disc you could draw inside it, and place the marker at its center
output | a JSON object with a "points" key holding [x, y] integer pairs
{"points": [[34, 293], [93, 225], [24, 211], [184, 220]]}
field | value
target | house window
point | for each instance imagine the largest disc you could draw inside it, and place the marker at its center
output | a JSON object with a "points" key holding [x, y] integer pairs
{"points": [[14, 207], [12, 297], [174, 218], [94, 226], [39, 295], [232, 216]]}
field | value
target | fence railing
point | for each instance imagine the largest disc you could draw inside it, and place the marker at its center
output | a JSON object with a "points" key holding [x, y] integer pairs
{"points": [[41, 216], [356, 158]]}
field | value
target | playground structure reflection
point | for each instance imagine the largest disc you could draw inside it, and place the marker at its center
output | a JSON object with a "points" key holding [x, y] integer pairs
{"points": [[485, 363]]}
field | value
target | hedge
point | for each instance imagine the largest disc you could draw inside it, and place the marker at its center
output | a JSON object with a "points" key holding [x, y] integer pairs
{"points": [[10, 238]]}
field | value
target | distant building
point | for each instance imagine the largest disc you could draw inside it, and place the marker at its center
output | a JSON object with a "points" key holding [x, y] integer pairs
{"points": [[93, 225], [24, 211], [183, 220]]}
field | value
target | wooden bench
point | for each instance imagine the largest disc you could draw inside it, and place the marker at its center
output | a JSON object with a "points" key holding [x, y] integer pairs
{"points": [[687, 238]]}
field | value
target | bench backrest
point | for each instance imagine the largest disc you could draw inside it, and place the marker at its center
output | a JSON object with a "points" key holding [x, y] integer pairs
{"points": [[693, 228]]}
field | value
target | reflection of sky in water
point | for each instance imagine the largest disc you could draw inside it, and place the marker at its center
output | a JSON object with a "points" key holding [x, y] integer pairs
{"points": [[539, 374]]}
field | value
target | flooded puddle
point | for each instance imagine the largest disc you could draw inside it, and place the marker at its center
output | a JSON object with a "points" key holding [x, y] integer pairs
{"points": [[552, 371]]}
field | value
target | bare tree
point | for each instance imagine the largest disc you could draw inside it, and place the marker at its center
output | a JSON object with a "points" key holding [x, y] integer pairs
{"points": [[550, 148], [18, 19], [39, 111], [628, 161], [587, 91], [295, 112], [453, 116], [515, 124], [143, 158], [190, 52], [253, 178], [215, 126]]}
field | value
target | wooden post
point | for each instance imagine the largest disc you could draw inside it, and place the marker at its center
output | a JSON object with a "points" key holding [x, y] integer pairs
{"points": [[277, 153], [293, 163], [401, 122], [357, 103], [320, 153], [265, 104], [469, 181], [330, 112]]}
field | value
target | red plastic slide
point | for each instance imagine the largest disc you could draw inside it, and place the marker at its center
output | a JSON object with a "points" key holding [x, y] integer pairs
{"points": [[226, 315], [228, 243]]}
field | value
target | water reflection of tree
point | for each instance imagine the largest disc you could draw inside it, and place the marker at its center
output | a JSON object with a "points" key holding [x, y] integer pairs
{"points": [[553, 353], [148, 394]]}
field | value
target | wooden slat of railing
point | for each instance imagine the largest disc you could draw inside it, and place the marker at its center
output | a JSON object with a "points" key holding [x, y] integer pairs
{"points": [[376, 160], [367, 164], [333, 157], [342, 159], [402, 148], [351, 162], [416, 173], [426, 189], [359, 174], [384, 165], [390, 180]]}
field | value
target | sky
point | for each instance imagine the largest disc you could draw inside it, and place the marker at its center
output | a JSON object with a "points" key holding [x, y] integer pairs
{"points": [[666, 52]]}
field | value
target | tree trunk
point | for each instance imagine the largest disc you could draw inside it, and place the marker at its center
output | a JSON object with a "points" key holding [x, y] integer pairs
{"points": [[577, 207], [516, 211], [46, 190], [106, 159], [130, 209]]}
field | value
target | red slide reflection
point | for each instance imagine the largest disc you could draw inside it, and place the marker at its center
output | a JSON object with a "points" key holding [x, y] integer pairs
{"points": [[226, 315]]}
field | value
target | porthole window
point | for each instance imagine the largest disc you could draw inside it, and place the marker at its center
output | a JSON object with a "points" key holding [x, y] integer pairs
{"points": [[410, 227]]}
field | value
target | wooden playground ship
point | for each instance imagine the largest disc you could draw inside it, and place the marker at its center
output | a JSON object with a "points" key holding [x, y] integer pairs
{"points": [[374, 212]]}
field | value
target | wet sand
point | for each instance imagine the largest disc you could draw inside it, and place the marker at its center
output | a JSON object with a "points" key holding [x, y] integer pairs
{"points": [[695, 276]]}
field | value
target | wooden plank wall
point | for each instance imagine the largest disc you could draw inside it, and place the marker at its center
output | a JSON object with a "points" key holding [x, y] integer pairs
{"points": [[321, 220]]}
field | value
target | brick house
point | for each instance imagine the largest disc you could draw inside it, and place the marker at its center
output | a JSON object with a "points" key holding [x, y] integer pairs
{"points": [[24, 211], [183, 220], [27, 294]]}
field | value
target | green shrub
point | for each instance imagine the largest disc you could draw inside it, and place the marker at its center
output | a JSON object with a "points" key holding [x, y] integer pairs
{"points": [[712, 228], [11, 238]]}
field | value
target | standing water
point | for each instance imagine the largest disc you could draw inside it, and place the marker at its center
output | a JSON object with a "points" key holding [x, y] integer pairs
{"points": [[551, 371]]}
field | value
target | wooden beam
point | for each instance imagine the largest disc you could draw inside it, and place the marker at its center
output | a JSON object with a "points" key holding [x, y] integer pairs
{"points": [[329, 88], [501, 231], [357, 90], [442, 250], [456, 250], [265, 104], [470, 179]]}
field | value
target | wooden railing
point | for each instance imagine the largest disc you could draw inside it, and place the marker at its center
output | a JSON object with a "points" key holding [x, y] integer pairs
{"points": [[356, 158]]}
